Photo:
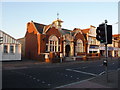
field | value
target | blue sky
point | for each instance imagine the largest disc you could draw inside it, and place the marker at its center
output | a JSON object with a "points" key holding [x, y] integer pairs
{"points": [[15, 15]]}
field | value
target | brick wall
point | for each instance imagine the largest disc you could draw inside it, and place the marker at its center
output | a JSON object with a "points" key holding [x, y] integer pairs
{"points": [[31, 43], [80, 36], [53, 31]]}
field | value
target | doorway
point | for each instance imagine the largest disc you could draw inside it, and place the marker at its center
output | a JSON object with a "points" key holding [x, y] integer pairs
{"points": [[67, 50]]}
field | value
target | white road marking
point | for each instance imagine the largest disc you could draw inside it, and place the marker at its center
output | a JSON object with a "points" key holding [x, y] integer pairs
{"points": [[84, 67], [49, 84], [43, 82], [34, 78], [38, 80], [118, 69], [30, 76], [67, 69], [102, 73], [74, 83], [82, 72]]}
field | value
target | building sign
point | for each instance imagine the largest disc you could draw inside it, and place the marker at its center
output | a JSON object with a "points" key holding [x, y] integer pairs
{"points": [[116, 49], [94, 47], [102, 48], [110, 48]]}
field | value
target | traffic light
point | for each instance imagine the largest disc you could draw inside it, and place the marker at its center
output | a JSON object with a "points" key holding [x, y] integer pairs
{"points": [[1, 39], [109, 34], [98, 37], [100, 33]]}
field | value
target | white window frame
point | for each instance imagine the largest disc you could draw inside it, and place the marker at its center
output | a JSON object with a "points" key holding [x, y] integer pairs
{"points": [[5, 50], [53, 44], [13, 51]]}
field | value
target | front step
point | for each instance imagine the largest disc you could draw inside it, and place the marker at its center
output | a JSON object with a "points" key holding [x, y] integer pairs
{"points": [[69, 58]]}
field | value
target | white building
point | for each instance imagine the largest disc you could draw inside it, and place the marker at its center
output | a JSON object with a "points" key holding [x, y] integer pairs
{"points": [[93, 43], [10, 48]]}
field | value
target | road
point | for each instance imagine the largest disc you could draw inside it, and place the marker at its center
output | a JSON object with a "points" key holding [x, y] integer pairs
{"points": [[36, 75]]}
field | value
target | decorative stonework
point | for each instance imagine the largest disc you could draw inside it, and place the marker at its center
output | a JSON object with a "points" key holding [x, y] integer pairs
{"points": [[68, 40]]}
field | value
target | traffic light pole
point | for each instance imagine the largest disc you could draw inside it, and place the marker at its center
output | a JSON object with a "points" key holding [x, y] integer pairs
{"points": [[104, 35], [106, 67], [106, 50]]}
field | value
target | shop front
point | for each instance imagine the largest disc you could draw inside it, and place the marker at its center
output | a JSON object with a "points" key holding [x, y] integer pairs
{"points": [[112, 51], [116, 52], [94, 49]]}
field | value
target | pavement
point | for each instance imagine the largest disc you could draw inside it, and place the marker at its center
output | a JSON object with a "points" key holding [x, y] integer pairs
{"points": [[99, 81]]}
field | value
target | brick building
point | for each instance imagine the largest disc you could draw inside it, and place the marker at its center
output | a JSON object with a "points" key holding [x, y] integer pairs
{"points": [[46, 41], [41, 40]]}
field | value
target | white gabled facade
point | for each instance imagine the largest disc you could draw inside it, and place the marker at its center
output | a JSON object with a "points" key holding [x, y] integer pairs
{"points": [[93, 43], [10, 48]]}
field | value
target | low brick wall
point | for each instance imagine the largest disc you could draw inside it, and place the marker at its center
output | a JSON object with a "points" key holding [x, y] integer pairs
{"points": [[93, 56], [81, 58]]}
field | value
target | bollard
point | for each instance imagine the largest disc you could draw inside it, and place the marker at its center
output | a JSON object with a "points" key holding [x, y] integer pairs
{"points": [[47, 58]]}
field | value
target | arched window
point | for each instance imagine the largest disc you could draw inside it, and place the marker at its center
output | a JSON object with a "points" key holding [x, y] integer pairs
{"points": [[52, 44], [79, 47]]}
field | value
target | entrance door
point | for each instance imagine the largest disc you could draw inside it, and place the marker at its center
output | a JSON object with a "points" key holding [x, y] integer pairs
{"points": [[67, 50]]}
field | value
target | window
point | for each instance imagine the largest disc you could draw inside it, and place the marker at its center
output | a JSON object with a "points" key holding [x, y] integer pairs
{"points": [[59, 48], [5, 49], [53, 44], [46, 47], [89, 40], [11, 49], [92, 51], [93, 41], [79, 47]]}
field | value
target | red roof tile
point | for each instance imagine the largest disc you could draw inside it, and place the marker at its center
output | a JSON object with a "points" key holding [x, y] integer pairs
{"points": [[85, 30]]}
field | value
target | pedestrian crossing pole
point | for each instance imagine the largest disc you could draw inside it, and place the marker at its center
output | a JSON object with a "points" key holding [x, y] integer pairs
{"points": [[106, 50]]}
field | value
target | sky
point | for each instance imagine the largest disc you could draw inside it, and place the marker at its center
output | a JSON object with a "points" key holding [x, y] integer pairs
{"points": [[15, 15]]}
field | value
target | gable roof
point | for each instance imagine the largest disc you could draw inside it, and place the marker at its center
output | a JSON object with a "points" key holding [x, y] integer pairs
{"points": [[3, 34], [39, 27], [46, 28], [64, 31]]}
